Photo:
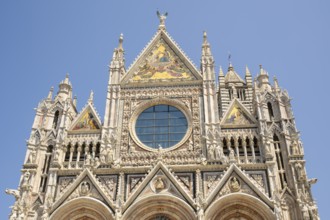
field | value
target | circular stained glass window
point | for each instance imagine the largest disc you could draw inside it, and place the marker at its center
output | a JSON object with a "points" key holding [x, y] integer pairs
{"points": [[161, 126]]}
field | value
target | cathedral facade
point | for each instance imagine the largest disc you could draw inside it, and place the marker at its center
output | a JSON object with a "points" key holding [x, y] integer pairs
{"points": [[175, 143]]}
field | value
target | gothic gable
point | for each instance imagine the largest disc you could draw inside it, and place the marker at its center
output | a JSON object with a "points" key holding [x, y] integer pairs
{"points": [[87, 121], [238, 116], [234, 180], [159, 181], [161, 61], [85, 185]]}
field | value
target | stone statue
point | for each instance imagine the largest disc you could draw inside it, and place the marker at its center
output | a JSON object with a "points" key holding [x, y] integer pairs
{"points": [[26, 178], [110, 155], [102, 159], [218, 152], [294, 148], [211, 152], [235, 186], [96, 162], [162, 18], [88, 160], [232, 158], [32, 157], [84, 188]]}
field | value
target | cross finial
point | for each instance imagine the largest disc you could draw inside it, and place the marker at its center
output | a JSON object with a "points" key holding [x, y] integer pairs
{"points": [[162, 18], [229, 58]]}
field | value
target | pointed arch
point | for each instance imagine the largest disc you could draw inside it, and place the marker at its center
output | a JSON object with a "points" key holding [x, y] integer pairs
{"points": [[83, 207], [239, 205], [56, 119], [270, 110], [279, 160], [156, 205]]}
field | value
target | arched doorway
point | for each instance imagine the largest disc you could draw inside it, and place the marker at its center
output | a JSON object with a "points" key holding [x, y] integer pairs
{"points": [[239, 206], [160, 207], [84, 208]]}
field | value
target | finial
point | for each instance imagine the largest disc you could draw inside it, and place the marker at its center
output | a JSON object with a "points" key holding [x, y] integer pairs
{"points": [[121, 39], [66, 80], [262, 72], [50, 94], [204, 37], [229, 59], [91, 96], [275, 83], [75, 101], [162, 18]]}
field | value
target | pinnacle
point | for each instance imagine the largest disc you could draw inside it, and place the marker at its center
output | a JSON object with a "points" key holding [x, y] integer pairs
{"points": [[247, 71], [221, 72]]}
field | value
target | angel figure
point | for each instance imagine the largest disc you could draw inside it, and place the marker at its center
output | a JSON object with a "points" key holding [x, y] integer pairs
{"points": [[162, 18]]}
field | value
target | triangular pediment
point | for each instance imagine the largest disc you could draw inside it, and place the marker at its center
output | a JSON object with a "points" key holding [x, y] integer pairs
{"points": [[238, 116], [85, 185], [234, 180], [161, 61], [159, 181], [86, 121]]}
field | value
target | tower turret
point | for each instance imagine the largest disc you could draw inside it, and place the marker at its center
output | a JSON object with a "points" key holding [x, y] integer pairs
{"points": [[65, 89], [263, 79]]}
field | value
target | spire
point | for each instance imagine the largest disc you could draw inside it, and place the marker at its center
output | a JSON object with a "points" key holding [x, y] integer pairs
{"points": [[221, 72], [162, 18], [50, 94], [206, 50], [276, 87], [221, 77], [248, 77], [207, 61], [91, 97], [118, 53], [117, 64]]}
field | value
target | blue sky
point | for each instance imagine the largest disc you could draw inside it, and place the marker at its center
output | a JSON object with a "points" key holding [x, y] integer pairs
{"points": [[42, 41]]}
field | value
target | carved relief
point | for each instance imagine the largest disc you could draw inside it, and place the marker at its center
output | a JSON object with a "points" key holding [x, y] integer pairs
{"points": [[133, 182], [109, 183], [186, 181], [63, 184], [86, 188], [211, 180], [159, 184]]}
